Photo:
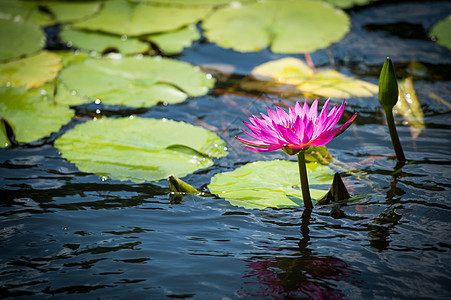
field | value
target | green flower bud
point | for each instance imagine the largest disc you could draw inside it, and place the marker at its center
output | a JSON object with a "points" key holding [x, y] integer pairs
{"points": [[388, 86]]}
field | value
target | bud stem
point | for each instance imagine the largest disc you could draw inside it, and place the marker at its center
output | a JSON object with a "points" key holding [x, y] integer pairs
{"points": [[304, 180], [394, 134]]}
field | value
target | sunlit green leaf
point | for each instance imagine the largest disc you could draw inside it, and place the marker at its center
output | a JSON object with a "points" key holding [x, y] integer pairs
{"points": [[4, 141], [68, 57], [409, 107], [68, 11], [191, 2], [31, 113], [173, 42], [31, 71], [24, 11], [348, 3], [100, 42], [19, 38], [292, 26], [135, 81], [326, 83], [270, 184], [140, 149], [441, 32], [134, 18]]}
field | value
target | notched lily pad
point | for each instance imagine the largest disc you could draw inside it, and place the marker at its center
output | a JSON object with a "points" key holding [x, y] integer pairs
{"points": [[296, 26], [275, 184], [19, 38], [135, 81], [140, 149], [441, 32], [31, 113], [326, 83], [173, 42], [68, 11], [100, 42], [31, 71], [135, 18]]}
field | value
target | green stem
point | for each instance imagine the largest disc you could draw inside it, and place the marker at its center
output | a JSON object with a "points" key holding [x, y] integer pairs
{"points": [[394, 134], [304, 180]]}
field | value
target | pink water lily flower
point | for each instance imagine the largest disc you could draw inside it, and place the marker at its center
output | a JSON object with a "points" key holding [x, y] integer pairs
{"points": [[301, 127]]}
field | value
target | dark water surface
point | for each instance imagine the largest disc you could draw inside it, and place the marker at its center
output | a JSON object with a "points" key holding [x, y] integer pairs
{"points": [[69, 234]]}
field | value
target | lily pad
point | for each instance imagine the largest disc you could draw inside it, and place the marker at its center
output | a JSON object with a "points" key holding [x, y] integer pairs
{"points": [[134, 18], [31, 71], [31, 39], [296, 26], [24, 11], [173, 42], [68, 11], [192, 2], [135, 81], [140, 149], [274, 183], [100, 42], [441, 32], [31, 113], [326, 83], [348, 3], [409, 107]]}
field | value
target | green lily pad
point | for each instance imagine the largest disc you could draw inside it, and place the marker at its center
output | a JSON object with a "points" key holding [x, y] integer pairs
{"points": [[173, 42], [68, 11], [274, 183], [31, 39], [326, 83], [348, 3], [192, 2], [31, 113], [4, 141], [441, 32], [132, 19], [31, 71], [24, 11], [135, 81], [69, 57], [296, 26], [140, 149], [100, 42]]}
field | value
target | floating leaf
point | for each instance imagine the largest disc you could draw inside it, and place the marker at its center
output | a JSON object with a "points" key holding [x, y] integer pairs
{"points": [[348, 3], [296, 26], [327, 83], [31, 113], [4, 141], [100, 42], [68, 11], [68, 57], [409, 107], [24, 11], [173, 42], [31, 71], [140, 149], [132, 19], [134, 81], [192, 2], [19, 38], [441, 32], [270, 184]]}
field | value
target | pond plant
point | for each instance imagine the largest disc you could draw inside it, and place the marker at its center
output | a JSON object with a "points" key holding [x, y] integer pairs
{"points": [[295, 132]]}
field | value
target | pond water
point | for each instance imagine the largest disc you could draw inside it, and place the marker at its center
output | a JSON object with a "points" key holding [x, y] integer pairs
{"points": [[71, 234]]}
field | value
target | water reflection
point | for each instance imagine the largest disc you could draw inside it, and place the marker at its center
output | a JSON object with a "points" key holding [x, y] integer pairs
{"points": [[305, 275]]}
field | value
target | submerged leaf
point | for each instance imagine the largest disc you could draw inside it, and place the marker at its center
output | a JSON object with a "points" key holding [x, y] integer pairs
{"points": [[441, 32], [100, 42], [133, 18], [270, 184], [139, 149], [19, 38], [134, 81], [31, 113], [173, 42], [300, 26], [327, 83], [31, 71], [409, 107]]}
